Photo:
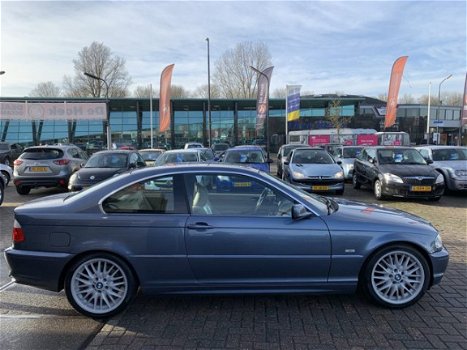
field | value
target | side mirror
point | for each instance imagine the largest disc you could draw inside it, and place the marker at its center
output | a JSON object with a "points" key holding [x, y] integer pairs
{"points": [[132, 166], [286, 162], [373, 161], [82, 165], [339, 162], [299, 212], [428, 161]]}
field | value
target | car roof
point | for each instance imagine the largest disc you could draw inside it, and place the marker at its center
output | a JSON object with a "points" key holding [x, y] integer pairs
{"points": [[152, 150], [441, 147], [245, 147]]}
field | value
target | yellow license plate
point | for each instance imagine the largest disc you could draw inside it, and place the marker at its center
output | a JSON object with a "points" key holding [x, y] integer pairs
{"points": [[242, 184], [39, 169], [320, 188], [420, 188]]}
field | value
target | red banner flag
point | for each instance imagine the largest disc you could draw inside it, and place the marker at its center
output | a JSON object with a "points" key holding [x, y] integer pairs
{"points": [[164, 100], [394, 85]]}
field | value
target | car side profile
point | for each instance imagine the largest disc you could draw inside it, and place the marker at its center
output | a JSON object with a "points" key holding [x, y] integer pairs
{"points": [[168, 230], [47, 166], [397, 172], [282, 154]]}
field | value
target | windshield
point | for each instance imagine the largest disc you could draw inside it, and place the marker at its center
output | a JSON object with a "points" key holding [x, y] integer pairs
{"points": [[220, 147], [177, 157], [311, 156], [400, 156], [244, 156], [450, 154], [107, 160], [351, 152], [153, 155]]}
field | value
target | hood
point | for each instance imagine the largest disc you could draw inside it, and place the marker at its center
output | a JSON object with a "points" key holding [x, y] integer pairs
{"points": [[259, 166], [351, 215], [94, 175], [451, 164], [404, 170], [316, 169]]}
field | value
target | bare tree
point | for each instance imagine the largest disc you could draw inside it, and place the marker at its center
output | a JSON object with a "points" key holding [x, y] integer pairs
{"points": [[145, 92], [45, 89], [202, 91], [98, 60], [279, 93], [177, 91], [424, 100], [383, 97], [233, 74], [334, 115], [452, 99], [406, 99]]}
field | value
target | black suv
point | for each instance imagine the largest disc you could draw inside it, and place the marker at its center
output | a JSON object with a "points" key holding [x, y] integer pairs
{"points": [[398, 172], [8, 153]]}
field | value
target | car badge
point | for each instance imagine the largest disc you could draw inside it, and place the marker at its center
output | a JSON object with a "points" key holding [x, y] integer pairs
{"points": [[92, 177]]}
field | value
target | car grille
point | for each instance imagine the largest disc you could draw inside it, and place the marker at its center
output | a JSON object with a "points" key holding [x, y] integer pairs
{"points": [[419, 180], [314, 180]]}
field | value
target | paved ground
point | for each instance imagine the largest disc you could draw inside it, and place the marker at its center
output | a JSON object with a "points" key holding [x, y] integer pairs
{"points": [[438, 321]]}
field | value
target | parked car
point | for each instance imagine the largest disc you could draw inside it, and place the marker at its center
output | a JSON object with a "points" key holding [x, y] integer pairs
{"points": [[150, 155], [451, 161], [2, 187], [398, 172], [161, 229], [282, 154], [185, 155], [7, 173], [105, 164], [252, 156], [193, 145], [9, 152], [219, 148], [313, 170], [46, 166], [346, 155]]}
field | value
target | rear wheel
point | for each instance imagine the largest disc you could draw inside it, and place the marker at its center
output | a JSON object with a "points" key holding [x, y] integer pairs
{"points": [[396, 277], [378, 190], [7, 177], [100, 285], [355, 183], [23, 190], [2, 193]]}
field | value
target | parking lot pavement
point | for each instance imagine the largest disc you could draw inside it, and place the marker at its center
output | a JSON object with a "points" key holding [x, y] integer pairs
{"points": [[437, 321]]}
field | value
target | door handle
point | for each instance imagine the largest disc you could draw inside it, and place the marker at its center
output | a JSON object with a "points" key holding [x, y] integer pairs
{"points": [[199, 226]]}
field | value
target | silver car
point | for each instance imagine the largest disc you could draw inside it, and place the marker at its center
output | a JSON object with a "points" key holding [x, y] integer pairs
{"points": [[346, 155], [451, 161], [47, 166], [183, 156], [7, 173], [282, 154], [314, 170]]}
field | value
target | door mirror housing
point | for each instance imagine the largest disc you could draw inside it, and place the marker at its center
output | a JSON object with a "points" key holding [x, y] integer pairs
{"points": [[299, 212]]}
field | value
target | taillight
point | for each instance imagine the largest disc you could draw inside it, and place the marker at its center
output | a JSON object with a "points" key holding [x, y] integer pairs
{"points": [[62, 161], [18, 234], [17, 162]]}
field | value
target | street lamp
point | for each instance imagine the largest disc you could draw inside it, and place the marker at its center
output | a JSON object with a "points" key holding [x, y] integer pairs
{"points": [[266, 131], [439, 106], [209, 96], [109, 135]]}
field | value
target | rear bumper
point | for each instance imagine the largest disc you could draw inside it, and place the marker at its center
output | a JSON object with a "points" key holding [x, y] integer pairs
{"points": [[61, 181], [38, 269]]}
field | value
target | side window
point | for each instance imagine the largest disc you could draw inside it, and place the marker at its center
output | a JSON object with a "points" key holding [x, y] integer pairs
{"points": [[235, 195], [151, 196], [73, 153], [363, 155], [425, 154], [371, 154], [133, 158]]}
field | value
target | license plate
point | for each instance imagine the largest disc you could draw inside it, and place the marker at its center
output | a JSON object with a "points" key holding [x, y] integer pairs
{"points": [[420, 188], [242, 184], [39, 169], [320, 188]]}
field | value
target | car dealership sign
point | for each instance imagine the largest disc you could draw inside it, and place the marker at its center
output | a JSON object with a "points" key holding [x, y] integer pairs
{"points": [[52, 111]]}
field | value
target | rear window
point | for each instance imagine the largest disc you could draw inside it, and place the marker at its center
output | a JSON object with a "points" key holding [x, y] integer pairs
{"points": [[42, 153]]}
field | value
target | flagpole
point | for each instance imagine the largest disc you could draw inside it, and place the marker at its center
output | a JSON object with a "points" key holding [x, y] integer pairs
{"points": [[286, 114], [150, 111]]}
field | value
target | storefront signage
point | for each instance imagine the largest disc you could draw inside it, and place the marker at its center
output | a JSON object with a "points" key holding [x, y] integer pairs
{"points": [[53, 111]]}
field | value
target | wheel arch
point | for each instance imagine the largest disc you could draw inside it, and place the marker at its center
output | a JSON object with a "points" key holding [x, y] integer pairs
{"points": [[66, 268]]}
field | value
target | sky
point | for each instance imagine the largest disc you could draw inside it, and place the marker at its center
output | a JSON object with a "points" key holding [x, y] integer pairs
{"points": [[326, 46]]}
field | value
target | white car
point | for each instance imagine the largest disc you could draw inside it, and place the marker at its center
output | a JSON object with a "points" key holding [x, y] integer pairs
{"points": [[451, 161], [193, 145], [7, 173]]}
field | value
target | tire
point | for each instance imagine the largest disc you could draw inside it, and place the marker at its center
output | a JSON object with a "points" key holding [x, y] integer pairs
{"points": [[102, 294], [434, 199], [23, 190], [2, 193], [355, 184], [378, 190], [396, 277], [7, 177]]}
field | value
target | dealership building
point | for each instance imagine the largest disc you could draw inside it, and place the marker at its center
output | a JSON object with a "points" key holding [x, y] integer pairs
{"points": [[34, 121]]}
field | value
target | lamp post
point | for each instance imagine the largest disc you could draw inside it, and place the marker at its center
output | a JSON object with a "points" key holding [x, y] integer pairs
{"points": [[439, 106], [109, 135], [266, 129], [209, 96]]}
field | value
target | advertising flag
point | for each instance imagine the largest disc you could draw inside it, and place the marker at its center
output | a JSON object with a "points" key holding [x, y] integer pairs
{"points": [[464, 109], [262, 102], [393, 93], [293, 102], [164, 100]]}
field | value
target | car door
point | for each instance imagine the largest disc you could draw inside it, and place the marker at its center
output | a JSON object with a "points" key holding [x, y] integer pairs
{"points": [[233, 239]]}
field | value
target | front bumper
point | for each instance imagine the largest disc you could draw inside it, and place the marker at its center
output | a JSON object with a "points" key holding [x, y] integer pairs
{"points": [[405, 190], [439, 263], [456, 184], [319, 186], [38, 269]]}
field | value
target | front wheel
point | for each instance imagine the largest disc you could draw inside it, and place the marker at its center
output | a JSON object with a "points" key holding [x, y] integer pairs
{"points": [[378, 190], [7, 177], [100, 285], [396, 277], [355, 183]]}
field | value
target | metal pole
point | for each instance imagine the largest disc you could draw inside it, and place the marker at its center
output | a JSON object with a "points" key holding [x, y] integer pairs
{"points": [[439, 106], [428, 116], [150, 117], [286, 116], [209, 97]]}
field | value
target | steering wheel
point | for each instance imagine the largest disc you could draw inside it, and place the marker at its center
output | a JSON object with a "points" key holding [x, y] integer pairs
{"points": [[262, 197]]}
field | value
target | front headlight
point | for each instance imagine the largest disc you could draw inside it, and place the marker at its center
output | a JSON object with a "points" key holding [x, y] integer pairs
{"points": [[297, 175], [388, 177], [440, 179], [461, 172], [339, 175], [437, 244]]}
